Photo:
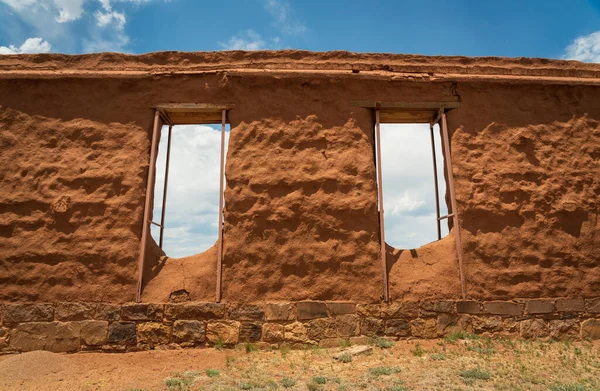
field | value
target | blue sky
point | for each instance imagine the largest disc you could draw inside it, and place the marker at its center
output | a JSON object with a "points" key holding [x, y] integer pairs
{"points": [[476, 28], [568, 29]]}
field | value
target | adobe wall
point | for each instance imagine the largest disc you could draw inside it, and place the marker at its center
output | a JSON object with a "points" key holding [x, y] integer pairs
{"points": [[301, 204]]}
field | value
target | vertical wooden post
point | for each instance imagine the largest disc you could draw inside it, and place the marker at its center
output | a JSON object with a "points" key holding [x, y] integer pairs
{"points": [[221, 184], [446, 146], [435, 180], [148, 206], [380, 196], [164, 200]]}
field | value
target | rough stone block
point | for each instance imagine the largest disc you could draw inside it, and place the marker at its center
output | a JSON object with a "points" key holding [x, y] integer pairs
{"points": [[369, 310], [487, 324], [73, 311], [122, 333], [193, 331], [593, 305], [295, 332], [272, 332], [153, 333], [590, 328], [250, 332], [311, 310], [4, 333], [247, 312], [347, 325], [279, 311], [533, 328], [570, 305], [563, 329], [108, 312], [361, 340], [448, 323], [20, 313], [438, 306], [94, 332], [341, 308], [371, 327], [322, 328], [423, 328], [53, 336], [469, 307], [397, 327], [506, 308], [141, 311], [403, 309], [539, 307], [224, 331], [197, 311], [331, 342]]}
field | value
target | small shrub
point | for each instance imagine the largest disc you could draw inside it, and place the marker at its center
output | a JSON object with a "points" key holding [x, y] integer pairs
{"points": [[345, 343], [345, 358], [383, 343], [319, 379], [219, 345], [212, 373], [568, 387], [245, 386], [481, 350], [383, 371], [286, 382], [438, 356], [313, 387], [468, 375], [419, 352], [173, 383], [461, 335], [250, 347]]}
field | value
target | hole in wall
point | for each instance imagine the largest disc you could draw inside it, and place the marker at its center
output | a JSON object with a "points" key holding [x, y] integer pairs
{"points": [[192, 197], [409, 186]]}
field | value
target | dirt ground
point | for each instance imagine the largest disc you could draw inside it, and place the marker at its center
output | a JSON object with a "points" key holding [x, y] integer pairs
{"points": [[459, 362]]}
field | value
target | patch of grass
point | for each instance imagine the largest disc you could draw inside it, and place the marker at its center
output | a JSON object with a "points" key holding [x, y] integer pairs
{"points": [[212, 373], [438, 356], [250, 347], [419, 352], [568, 387], [383, 371], [219, 345], [284, 350], [481, 350], [396, 388], [287, 382], [319, 379], [469, 375], [245, 386], [345, 343], [345, 358], [313, 386], [383, 343], [461, 335], [173, 383]]}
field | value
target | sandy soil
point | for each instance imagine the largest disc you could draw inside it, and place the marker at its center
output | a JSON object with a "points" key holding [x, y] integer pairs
{"points": [[460, 362]]}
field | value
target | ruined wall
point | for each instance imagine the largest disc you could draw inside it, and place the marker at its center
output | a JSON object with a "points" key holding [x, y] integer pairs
{"points": [[301, 219]]}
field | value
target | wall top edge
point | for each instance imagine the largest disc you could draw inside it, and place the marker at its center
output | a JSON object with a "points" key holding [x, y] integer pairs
{"points": [[290, 62]]}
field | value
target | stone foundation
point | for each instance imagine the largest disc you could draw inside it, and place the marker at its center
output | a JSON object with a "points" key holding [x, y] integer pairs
{"points": [[71, 327]]}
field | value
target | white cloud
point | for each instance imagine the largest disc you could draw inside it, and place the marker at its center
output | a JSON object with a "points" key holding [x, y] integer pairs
{"points": [[114, 18], [249, 40], [193, 194], [281, 13], [408, 187], [30, 46], [68, 10], [52, 19], [585, 48]]}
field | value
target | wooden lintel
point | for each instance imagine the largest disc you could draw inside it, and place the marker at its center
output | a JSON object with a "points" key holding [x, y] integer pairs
{"points": [[407, 105]]}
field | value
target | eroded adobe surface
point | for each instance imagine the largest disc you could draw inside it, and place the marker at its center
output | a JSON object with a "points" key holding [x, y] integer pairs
{"points": [[301, 218]]}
